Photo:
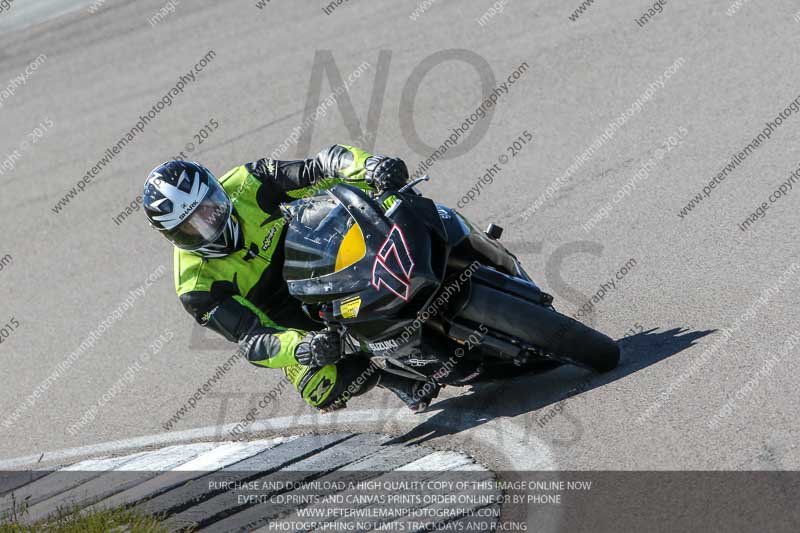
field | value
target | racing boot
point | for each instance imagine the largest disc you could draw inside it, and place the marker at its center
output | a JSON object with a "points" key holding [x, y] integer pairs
{"points": [[417, 395]]}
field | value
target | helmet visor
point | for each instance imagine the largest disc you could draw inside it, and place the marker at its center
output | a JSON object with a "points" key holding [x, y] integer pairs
{"points": [[205, 224]]}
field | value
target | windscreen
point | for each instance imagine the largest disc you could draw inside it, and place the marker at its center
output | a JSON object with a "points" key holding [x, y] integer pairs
{"points": [[321, 232]]}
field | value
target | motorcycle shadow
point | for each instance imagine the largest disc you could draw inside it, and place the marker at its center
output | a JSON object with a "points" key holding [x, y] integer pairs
{"points": [[533, 391]]}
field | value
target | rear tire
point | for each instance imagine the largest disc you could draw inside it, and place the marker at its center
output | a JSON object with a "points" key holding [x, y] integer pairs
{"points": [[585, 346], [564, 337]]}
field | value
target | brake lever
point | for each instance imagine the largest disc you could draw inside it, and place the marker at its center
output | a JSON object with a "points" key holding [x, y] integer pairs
{"points": [[413, 183], [406, 187]]}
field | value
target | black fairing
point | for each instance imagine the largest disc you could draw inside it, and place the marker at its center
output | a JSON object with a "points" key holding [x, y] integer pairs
{"points": [[391, 290], [383, 299], [378, 267]]}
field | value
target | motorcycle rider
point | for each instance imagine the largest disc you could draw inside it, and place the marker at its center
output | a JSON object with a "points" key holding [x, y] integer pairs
{"points": [[228, 236]]}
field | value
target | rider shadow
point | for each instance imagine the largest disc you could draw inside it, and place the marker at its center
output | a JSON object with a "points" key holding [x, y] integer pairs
{"points": [[531, 392]]}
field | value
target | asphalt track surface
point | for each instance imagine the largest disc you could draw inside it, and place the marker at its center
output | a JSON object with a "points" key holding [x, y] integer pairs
{"points": [[686, 396]]}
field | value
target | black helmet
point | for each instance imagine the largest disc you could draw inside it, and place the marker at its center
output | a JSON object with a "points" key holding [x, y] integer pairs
{"points": [[185, 202]]}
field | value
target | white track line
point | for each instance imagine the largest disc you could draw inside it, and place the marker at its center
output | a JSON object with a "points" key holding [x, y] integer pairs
{"points": [[503, 438], [440, 461], [223, 455]]}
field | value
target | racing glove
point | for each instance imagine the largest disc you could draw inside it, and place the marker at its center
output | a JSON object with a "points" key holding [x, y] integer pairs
{"points": [[385, 173], [318, 349]]}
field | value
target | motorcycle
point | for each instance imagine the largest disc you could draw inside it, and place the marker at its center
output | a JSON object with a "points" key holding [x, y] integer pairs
{"points": [[414, 286]]}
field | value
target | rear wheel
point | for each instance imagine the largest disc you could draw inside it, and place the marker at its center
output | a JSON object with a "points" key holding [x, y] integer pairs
{"points": [[563, 337], [585, 346]]}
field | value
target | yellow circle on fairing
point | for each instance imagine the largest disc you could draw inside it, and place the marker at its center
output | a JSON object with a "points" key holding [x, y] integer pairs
{"points": [[352, 249]]}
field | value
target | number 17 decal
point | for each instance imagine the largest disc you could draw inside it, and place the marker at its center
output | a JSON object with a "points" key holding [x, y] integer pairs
{"points": [[393, 265]]}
